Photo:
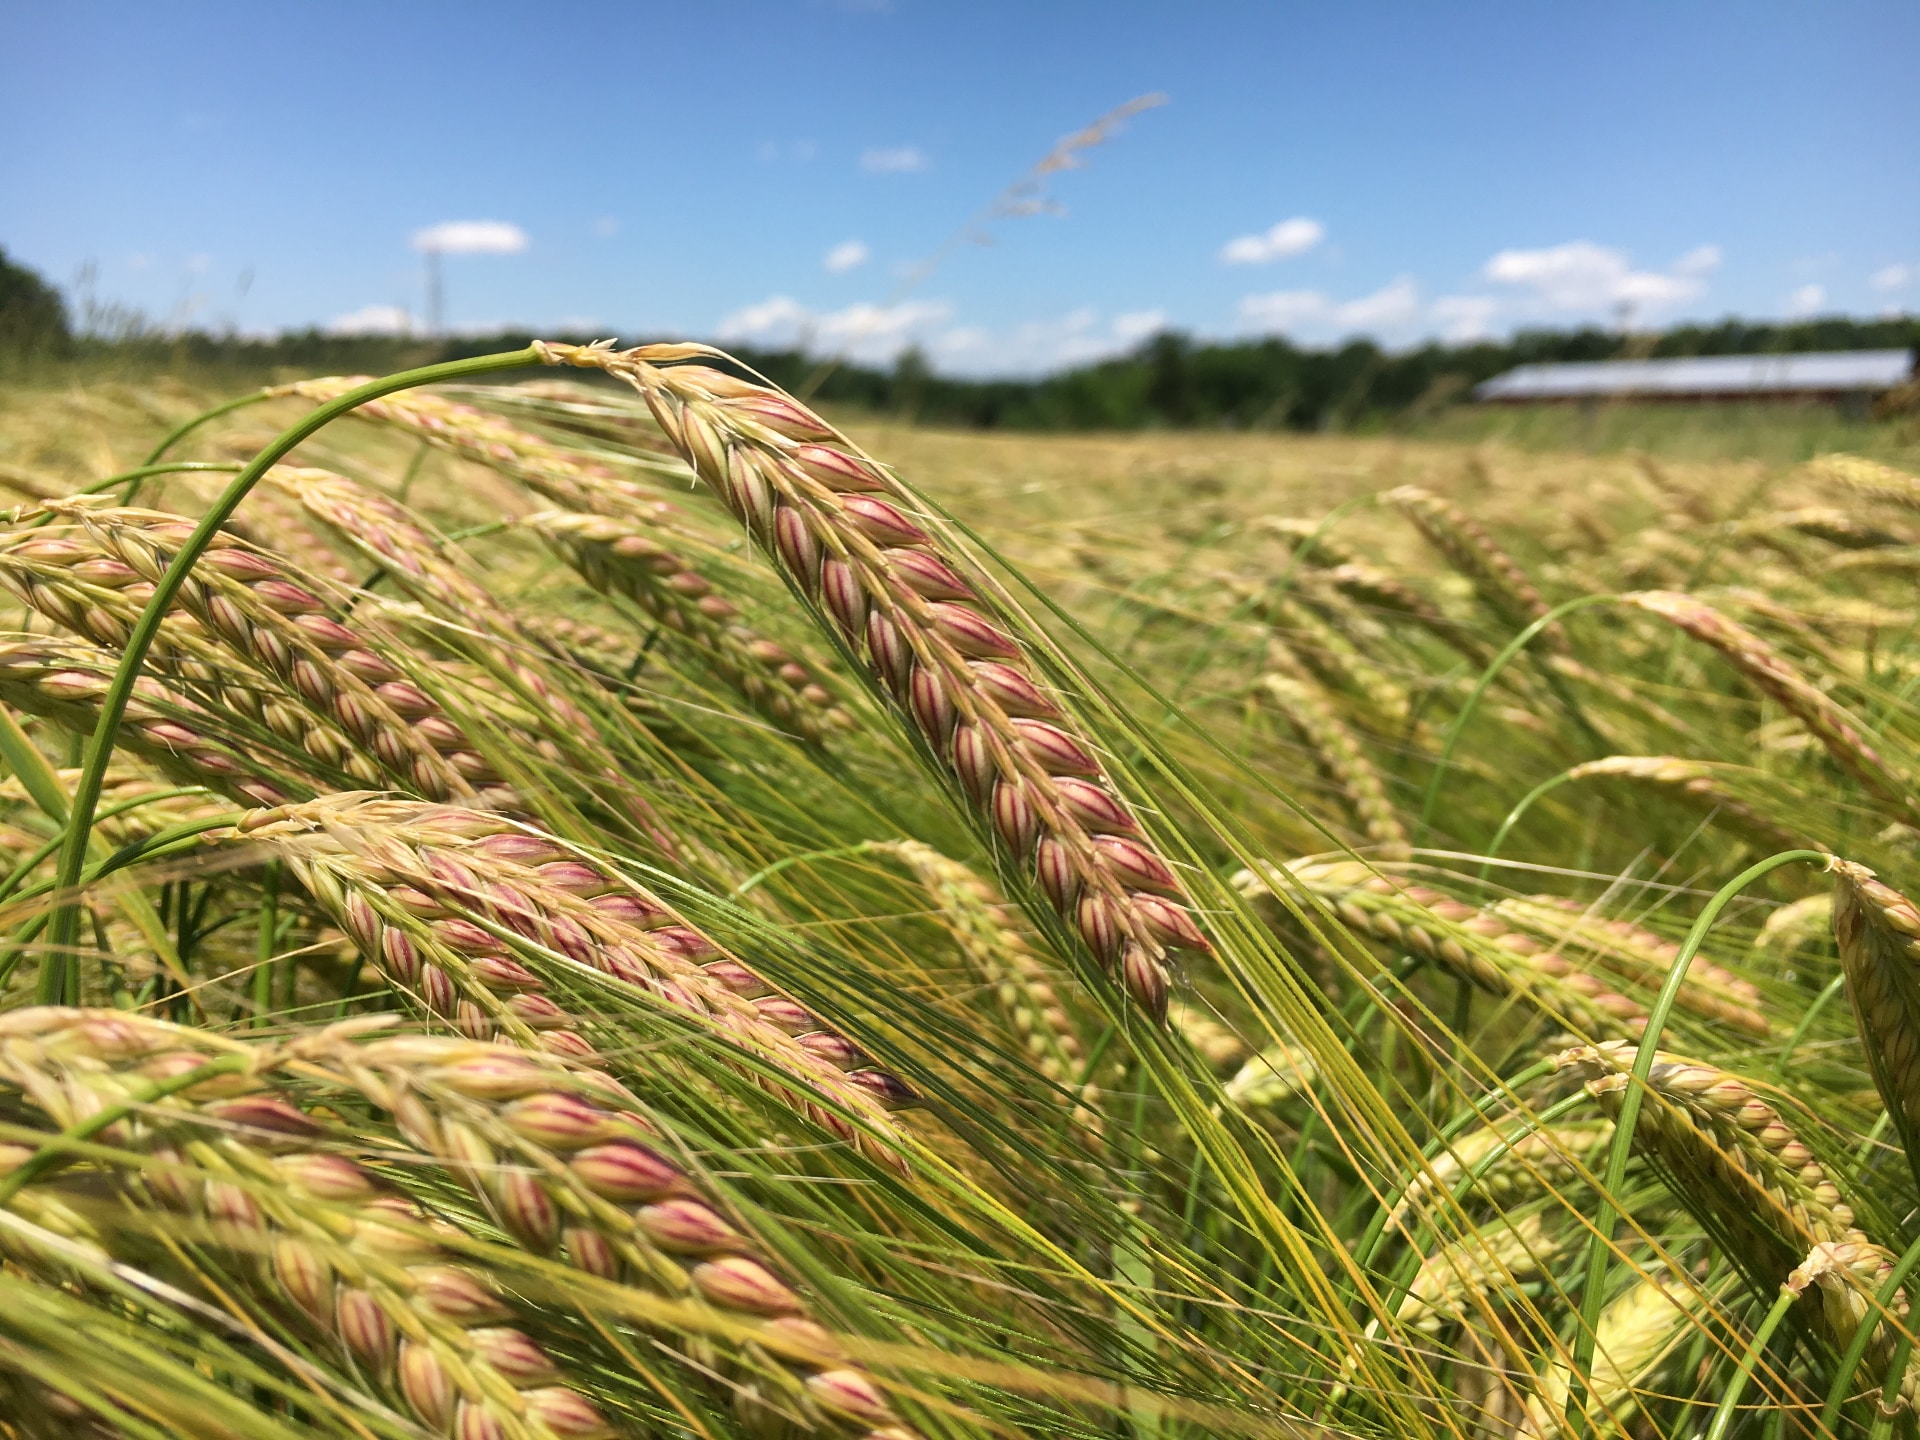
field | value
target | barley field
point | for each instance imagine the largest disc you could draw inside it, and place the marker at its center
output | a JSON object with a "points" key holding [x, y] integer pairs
{"points": [[567, 895]]}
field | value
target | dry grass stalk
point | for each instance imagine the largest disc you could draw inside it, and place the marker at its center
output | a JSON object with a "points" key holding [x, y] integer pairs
{"points": [[1878, 932], [1346, 764], [1642, 956], [450, 904], [1497, 577], [353, 1259], [933, 644], [617, 557], [1476, 946], [1700, 783], [1771, 673], [991, 942]]}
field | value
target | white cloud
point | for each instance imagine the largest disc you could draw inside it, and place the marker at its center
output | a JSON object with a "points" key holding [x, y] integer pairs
{"points": [[1701, 260], [1288, 238], [1393, 307], [847, 255], [1892, 277], [606, 227], [874, 333], [772, 152], [1807, 300], [471, 237], [1279, 311], [1583, 276], [199, 264], [1464, 317], [897, 160], [1079, 337], [1136, 325], [372, 320]]}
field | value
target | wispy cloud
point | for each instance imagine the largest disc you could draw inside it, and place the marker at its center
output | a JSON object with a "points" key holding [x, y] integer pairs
{"points": [[1280, 242], [1035, 347], [1807, 300], [372, 320], [847, 255], [1393, 307], [1464, 317], [1891, 277], [874, 333], [772, 152], [895, 160], [1581, 275], [471, 237], [606, 227]]}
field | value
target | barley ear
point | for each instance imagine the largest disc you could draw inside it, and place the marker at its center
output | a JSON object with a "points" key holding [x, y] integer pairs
{"points": [[1878, 931]]}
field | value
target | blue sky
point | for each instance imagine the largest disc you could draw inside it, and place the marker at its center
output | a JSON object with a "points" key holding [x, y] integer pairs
{"points": [[772, 171]]}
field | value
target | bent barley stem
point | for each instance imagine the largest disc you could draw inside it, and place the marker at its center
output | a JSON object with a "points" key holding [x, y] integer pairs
{"points": [[1487, 677], [1729, 1406], [59, 980], [1606, 1211]]}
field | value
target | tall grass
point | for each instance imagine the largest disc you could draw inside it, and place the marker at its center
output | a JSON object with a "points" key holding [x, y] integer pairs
{"points": [[621, 912]]}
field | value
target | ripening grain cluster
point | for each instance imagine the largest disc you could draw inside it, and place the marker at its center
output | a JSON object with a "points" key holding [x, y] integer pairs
{"points": [[586, 902]]}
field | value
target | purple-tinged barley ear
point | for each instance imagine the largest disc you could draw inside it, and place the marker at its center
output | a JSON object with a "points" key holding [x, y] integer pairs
{"points": [[888, 1089], [930, 577], [626, 1172], [426, 1384], [740, 1283], [1015, 818], [1058, 876], [974, 762], [882, 522], [1055, 751], [838, 470], [1012, 691], [687, 1226], [1093, 807], [932, 708], [799, 548], [1100, 928], [892, 659], [1136, 865], [971, 633], [844, 597], [1170, 924], [1146, 980]]}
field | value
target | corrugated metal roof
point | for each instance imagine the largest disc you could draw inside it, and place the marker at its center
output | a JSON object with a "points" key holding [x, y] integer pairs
{"points": [[1816, 372]]}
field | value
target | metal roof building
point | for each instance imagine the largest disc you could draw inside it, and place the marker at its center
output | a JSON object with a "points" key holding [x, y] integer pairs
{"points": [[1831, 374]]}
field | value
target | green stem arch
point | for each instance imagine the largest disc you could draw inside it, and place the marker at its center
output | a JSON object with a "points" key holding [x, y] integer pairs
{"points": [[59, 981], [1606, 1214], [1487, 677]]}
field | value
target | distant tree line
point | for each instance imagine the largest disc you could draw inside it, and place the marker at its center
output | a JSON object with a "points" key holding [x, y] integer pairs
{"points": [[1169, 381]]}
